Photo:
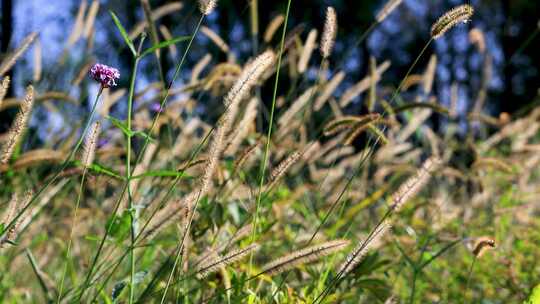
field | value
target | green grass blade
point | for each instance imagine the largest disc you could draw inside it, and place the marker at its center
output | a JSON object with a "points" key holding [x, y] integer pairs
{"points": [[123, 33], [164, 44]]}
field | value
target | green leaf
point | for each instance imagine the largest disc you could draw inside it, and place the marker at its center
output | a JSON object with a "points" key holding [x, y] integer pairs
{"points": [[143, 135], [100, 169], [120, 125], [535, 296], [162, 173], [39, 274], [121, 224], [165, 43], [123, 33]]}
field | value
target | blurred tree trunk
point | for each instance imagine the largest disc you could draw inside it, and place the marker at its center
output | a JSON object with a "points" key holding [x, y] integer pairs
{"points": [[7, 31], [508, 48]]}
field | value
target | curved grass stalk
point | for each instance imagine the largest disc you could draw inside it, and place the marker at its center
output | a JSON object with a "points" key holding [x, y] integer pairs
{"points": [[269, 133], [68, 249]]}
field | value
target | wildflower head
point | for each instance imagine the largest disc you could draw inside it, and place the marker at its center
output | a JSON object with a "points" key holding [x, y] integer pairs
{"points": [[105, 75]]}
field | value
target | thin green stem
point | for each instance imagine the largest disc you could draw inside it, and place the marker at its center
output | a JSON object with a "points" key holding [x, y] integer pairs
{"points": [[68, 249], [140, 154], [413, 287], [269, 133], [128, 172]]}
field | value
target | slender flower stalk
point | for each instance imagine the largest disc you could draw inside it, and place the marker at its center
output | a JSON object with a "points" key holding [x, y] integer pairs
{"points": [[269, 133], [87, 159], [177, 179]]}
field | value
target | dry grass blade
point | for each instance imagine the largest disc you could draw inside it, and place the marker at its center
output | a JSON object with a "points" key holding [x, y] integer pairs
{"points": [[329, 89], [273, 27], [309, 46], [78, 26], [304, 256], [90, 19], [216, 39], [157, 14], [37, 61]]}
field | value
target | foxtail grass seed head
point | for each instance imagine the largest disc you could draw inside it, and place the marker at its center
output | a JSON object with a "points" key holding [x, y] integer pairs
{"points": [[105, 75], [250, 75], [414, 184], [304, 256], [4, 88], [459, 14], [12, 58], [283, 166], [18, 126], [329, 33], [483, 244], [388, 8], [207, 6], [89, 149], [358, 254], [213, 265]]}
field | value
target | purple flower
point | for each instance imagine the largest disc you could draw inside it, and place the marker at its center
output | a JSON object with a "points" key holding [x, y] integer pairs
{"points": [[105, 75], [156, 107]]}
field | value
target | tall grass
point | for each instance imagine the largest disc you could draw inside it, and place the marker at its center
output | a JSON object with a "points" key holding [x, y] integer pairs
{"points": [[171, 206]]}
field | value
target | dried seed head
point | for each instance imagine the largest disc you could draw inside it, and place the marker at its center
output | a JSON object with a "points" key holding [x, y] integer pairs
{"points": [[213, 265], [282, 168], [414, 184], [483, 244], [388, 8], [12, 58], [207, 6], [329, 33], [18, 126], [89, 149], [304, 256], [356, 256], [15, 207], [273, 27], [249, 77], [459, 14], [3, 89]]}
